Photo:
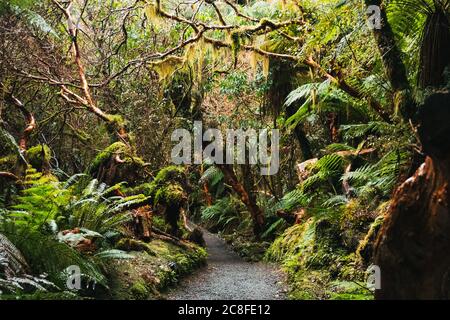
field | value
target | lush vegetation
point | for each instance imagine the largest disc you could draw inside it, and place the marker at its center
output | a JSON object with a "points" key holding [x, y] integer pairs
{"points": [[91, 92]]}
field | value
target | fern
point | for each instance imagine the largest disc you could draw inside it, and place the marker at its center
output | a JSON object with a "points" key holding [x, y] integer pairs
{"points": [[223, 214], [353, 131], [38, 206], [292, 200], [379, 177], [73, 179], [47, 255], [334, 147], [214, 177], [321, 97], [114, 254], [327, 168]]}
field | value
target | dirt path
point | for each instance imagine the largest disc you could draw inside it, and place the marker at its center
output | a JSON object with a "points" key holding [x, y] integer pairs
{"points": [[227, 276]]}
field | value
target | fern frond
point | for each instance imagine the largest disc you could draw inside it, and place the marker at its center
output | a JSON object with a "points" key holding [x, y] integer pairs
{"points": [[114, 254]]}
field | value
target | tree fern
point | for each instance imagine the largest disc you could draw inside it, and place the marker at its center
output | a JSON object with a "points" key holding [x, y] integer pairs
{"points": [[328, 167], [352, 131], [379, 177], [214, 177]]}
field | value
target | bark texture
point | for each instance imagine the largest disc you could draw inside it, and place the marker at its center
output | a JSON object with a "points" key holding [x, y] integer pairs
{"points": [[413, 244]]}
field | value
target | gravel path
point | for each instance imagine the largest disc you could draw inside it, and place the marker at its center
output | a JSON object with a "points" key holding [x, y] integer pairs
{"points": [[228, 277]]}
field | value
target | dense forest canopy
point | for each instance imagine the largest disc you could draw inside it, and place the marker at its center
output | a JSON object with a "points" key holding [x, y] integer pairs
{"points": [[91, 92]]}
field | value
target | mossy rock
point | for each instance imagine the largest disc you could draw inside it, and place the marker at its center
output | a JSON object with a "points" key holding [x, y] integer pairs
{"points": [[144, 188]]}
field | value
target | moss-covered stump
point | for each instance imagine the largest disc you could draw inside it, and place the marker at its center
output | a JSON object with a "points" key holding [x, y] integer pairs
{"points": [[39, 157], [156, 266], [117, 163]]}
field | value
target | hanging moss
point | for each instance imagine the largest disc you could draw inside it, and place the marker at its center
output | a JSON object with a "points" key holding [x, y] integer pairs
{"points": [[167, 67]]}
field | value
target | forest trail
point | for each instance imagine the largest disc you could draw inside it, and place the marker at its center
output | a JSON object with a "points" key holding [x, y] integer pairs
{"points": [[229, 277]]}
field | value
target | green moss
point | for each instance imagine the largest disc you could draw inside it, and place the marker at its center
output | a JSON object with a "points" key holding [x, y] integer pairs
{"points": [[365, 248], [39, 156], [147, 275], [346, 290], [119, 148], [139, 290], [296, 239], [8, 160], [116, 121], [354, 222], [144, 188], [105, 155], [315, 258], [170, 173], [128, 244], [172, 194]]}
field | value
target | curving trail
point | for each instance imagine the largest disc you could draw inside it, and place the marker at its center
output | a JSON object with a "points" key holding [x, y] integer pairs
{"points": [[228, 277]]}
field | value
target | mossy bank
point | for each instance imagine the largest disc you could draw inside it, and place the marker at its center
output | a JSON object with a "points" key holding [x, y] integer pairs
{"points": [[156, 266]]}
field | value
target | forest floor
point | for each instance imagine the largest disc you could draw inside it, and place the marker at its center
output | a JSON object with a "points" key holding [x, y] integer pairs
{"points": [[229, 277]]}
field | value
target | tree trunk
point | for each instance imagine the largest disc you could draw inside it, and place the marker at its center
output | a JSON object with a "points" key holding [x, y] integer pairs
{"points": [[413, 244], [283, 72], [246, 197]]}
